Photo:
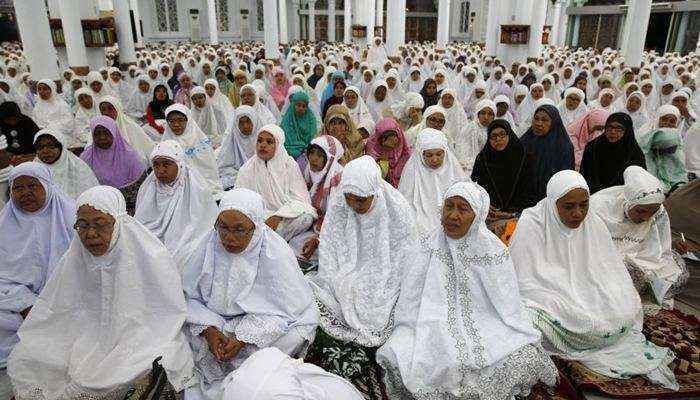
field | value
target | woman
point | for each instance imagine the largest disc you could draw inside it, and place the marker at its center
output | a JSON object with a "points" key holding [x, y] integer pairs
{"points": [[585, 129], [209, 118], [132, 131], [340, 125], [635, 107], [410, 112], [279, 87], [430, 94], [85, 110], [155, 112], [605, 100], [504, 171], [71, 174], [427, 175], [577, 289], [640, 228], [109, 282], [50, 110], [572, 107], [239, 145], [174, 202], [274, 174], [182, 128], [97, 85], [368, 241], [266, 302], [606, 157], [548, 147], [118, 87], [358, 111], [455, 117], [219, 100], [182, 95], [250, 96], [240, 79], [378, 102], [472, 135], [299, 125], [388, 146], [663, 148], [41, 216], [434, 117], [114, 162], [18, 129], [337, 97], [454, 323]]}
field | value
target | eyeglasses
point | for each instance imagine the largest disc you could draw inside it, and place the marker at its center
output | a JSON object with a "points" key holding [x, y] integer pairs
{"points": [[237, 233], [83, 226]]}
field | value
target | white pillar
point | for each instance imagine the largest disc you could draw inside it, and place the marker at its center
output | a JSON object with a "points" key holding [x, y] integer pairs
{"points": [[371, 10], [270, 26], [379, 13], [283, 21], [539, 14], [682, 29], [331, 21], [127, 52], [73, 33], [493, 27], [312, 20], [347, 21], [396, 25], [637, 13], [137, 22], [563, 27], [556, 24], [296, 28], [577, 26], [213, 23], [33, 24], [443, 28]]}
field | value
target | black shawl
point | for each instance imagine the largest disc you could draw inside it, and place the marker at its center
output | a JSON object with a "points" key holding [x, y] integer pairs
{"points": [[20, 137]]}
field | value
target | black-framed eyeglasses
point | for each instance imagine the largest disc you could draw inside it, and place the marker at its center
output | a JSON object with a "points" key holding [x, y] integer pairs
{"points": [[83, 226], [235, 232]]}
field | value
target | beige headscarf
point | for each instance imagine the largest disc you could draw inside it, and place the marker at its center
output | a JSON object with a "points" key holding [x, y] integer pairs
{"points": [[352, 143]]}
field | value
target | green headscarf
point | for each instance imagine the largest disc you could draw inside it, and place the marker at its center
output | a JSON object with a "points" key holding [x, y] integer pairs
{"points": [[298, 129], [663, 150]]}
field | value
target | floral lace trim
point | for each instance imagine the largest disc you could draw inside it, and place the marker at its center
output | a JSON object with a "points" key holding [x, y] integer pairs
{"points": [[335, 328], [257, 331]]}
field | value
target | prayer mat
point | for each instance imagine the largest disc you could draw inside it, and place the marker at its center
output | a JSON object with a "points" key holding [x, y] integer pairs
{"points": [[667, 328], [563, 391]]}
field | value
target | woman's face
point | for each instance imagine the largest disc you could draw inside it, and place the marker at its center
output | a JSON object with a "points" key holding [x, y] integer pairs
{"points": [[631, 89], [390, 140], [541, 123], [572, 102], [519, 99], [206, 69], [614, 131], [102, 137], [668, 121], [581, 84], [439, 79], [537, 93], [338, 128], [485, 116], [85, 101], [643, 212], [165, 170], [240, 79], [177, 122], [498, 139], [317, 159], [235, 230], [94, 229], [380, 93], [108, 110], [245, 125], [416, 114], [266, 146], [152, 73], [647, 88], [633, 104], [433, 158], [220, 75], [300, 108], [44, 91], [681, 103], [116, 77], [667, 89], [199, 100], [457, 217], [415, 76], [48, 149], [367, 77], [144, 86], [604, 84], [186, 82], [210, 89], [435, 121], [546, 84], [96, 86], [350, 99], [248, 97], [339, 89], [606, 99], [431, 89], [279, 79], [28, 193], [447, 101], [360, 205], [573, 208], [161, 93], [76, 84], [501, 109]]}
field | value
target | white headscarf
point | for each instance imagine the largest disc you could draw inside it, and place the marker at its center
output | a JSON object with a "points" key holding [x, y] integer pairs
{"points": [[237, 148], [359, 274], [264, 114], [90, 302], [95, 76], [221, 101], [326, 178], [460, 319], [82, 135], [472, 137], [209, 119], [130, 130], [137, 102], [455, 116], [378, 108], [569, 116], [197, 147], [641, 116], [53, 113], [360, 114], [178, 213], [423, 186]]}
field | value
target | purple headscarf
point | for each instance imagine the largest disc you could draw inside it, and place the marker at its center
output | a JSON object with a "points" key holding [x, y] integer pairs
{"points": [[120, 165]]}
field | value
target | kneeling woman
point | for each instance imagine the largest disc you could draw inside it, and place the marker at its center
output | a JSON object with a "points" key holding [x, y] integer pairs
{"points": [[276, 176], [577, 289], [637, 220], [461, 331], [113, 307], [244, 292]]}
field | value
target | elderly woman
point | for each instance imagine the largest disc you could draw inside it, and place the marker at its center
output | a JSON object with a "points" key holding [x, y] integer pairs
{"points": [[340, 125], [427, 174], [473, 328], [174, 202], [41, 216], [472, 136], [113, 309], [640, 228], [368, 241], [265, 302], [577, 289], [388, 146], [276, 176]]}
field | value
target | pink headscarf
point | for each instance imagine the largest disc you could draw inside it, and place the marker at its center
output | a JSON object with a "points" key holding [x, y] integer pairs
{"points": [[397, 156], [279, 92], [578, 131]]}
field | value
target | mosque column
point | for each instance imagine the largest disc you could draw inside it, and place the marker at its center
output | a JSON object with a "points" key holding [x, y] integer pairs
{"points": [[396, 26], [347, 19], [539, 15], [137, 22], [370, 9], [127, 51], [492, 28], [331, 21], [33, 24], [563, 26], [296, 27], [73, 33], [556, 20], [283, 21], [312, 20], [379, 13], [443, 28], [213, 23], [577, 27], [271, 29], [637, 11]]}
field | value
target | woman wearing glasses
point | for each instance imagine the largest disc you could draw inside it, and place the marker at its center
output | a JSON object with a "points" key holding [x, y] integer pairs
{"points": [[245, 291]]}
